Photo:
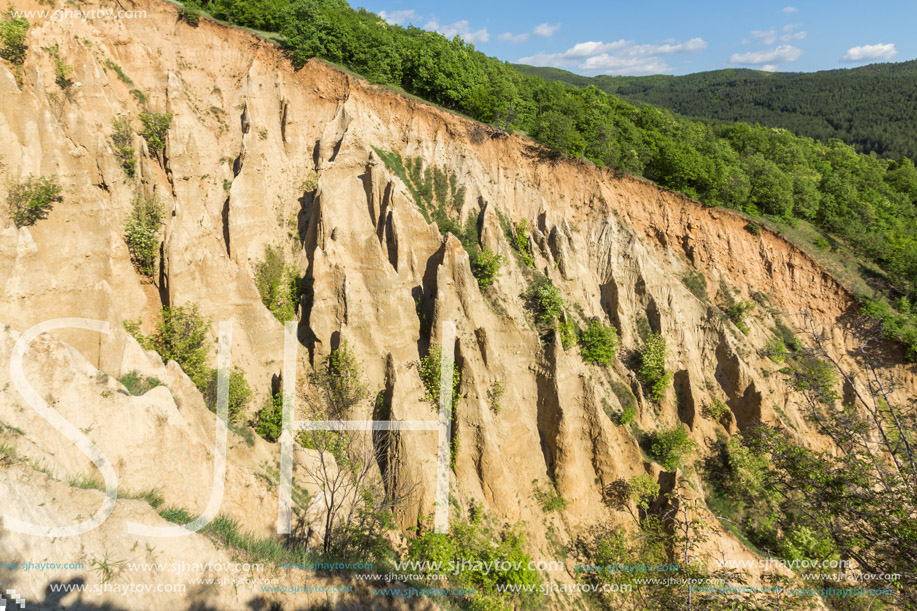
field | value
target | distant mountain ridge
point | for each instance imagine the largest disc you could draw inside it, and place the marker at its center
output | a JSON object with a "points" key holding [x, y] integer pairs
{"points": [[870, 107]]}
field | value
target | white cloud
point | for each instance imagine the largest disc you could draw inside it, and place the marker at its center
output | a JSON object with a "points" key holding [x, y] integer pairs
{"points": [[789, 10], [545, 29], [461, 29], [768, 37], [513, 38], [398, 17], [587, 49], [618, 57], [769, 68], [783, 53], [869, 52], [618, 64], [793, 36]]}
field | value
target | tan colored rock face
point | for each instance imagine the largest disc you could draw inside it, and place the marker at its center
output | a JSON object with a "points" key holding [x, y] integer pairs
{"points": [[247, 135]]}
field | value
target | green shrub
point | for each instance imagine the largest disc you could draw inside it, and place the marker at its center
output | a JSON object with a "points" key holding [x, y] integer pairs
{"points": [[310, 183], [141, 233], [671, 447], [123, 138], [190, 14], [31, 199], [430, 368], [544, 298], [568, 331], [717, 410], [270, 419], [652, 366], [643, 490], [813, 375], [899, 324], [627, 415], [598, 343], [787, 337], [775, 350], [495, 395], [239, 392], [548, 497], [13, 31], [740, 473], [613, 547], [802, 543], [62, 74], [486, 266], [736, 312], [753, 228], [340, 381], [277, 284], [155, 127], [138, 384], [62, 70], [520, 241], [133, 329], [181, 336], [469, 545]]}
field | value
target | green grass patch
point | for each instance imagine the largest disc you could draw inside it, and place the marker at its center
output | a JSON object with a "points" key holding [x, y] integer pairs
{"points": [[153, 496], [117, 70], [548, 497], [696, 283], [83, 482], [176, 515], [8, 427], [138, 384]]}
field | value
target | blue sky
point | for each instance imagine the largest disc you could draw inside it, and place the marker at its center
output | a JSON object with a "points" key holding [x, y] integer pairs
{"points": [[651, 36]]}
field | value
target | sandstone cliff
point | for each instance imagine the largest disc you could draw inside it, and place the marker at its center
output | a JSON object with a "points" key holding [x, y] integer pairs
{"points": [[249, 138]]}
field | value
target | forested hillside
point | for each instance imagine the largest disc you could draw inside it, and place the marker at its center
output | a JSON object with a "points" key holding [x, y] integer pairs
{"points": [[869, 108], [868, 202]]}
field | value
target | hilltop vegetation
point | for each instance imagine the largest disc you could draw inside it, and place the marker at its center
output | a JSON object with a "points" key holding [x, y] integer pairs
{"points": [[872, 114], [867, 202]]}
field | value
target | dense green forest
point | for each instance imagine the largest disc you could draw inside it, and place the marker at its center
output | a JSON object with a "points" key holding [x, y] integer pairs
{"points": [[869, 203], [870, 108]]}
